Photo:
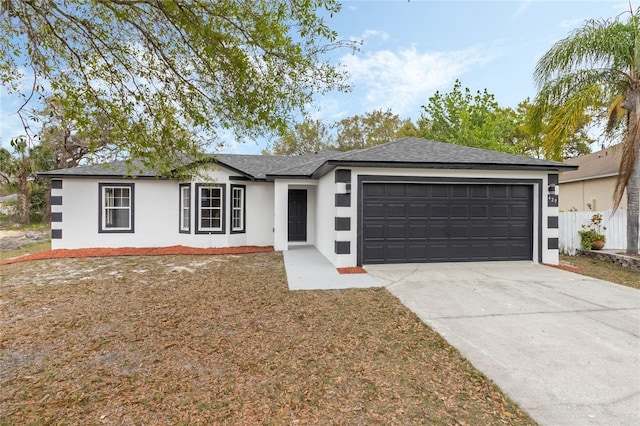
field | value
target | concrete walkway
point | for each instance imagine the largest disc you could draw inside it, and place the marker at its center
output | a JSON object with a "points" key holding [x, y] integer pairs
{"points": [[307, 269], [564, 346]]}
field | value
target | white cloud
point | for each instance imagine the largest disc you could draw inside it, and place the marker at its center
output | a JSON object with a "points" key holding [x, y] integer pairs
{"points": [[374, 33], [403, 80]]}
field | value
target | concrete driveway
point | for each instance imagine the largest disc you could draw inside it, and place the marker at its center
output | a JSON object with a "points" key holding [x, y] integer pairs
{"points": [[564, 346]]}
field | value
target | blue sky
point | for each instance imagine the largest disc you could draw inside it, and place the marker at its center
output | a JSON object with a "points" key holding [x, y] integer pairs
{"points": [[413, 48]]}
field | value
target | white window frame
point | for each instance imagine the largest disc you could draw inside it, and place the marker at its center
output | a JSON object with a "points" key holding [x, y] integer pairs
{"points": [[185, 208], [105, 209], [238, 193], [200, 209]]}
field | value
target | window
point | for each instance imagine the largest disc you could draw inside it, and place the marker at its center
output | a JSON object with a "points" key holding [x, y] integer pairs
{"points": [[237, 208], [185, 208], [116, 207], [210, 208]]}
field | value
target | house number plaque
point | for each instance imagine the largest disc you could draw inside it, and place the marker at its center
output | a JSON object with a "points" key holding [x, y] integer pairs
{"points": [[552, 200]]}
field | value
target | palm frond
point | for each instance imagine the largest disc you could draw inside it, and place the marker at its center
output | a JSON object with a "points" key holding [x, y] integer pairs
{"points": [[615, 112], [597, 44]]}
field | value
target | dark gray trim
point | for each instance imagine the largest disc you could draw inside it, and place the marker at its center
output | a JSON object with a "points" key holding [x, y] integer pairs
{"points": [[56, 234], [101, 176], [56, 200], [343, 175], [552, 179], [343, 224], [131, 187], [223, 209], [56, 183], [552, 243], [329, 165], [188, 230], [244, 209], [343, 200], [374, 178], [56, 217], [343, 247], [552, 222]]}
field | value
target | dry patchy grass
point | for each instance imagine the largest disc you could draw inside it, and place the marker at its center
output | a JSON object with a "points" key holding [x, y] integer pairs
{"points": [[26, 249], [603, 270], [221, 340]]}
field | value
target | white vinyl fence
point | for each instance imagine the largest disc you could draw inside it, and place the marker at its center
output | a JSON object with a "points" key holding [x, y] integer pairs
{"points": [[569, 223]]}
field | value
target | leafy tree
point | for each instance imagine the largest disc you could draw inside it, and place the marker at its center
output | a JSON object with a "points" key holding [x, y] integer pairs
{"points": [[531, 133], [167, 75], [598, 65], [462, 118], [308, 136], [372, 128]]}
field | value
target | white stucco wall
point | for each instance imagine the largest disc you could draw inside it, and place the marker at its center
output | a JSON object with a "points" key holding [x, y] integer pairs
{"points": [[156, 213], [157, 209], [326, 213]]}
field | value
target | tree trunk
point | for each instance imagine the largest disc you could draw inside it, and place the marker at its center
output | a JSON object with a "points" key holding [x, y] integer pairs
{"points": [[633, 205], [633, 185], [23, 197]]}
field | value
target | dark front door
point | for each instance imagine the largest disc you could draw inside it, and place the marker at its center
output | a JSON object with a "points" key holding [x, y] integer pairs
{"points": [[297, 215], [412, 222]]}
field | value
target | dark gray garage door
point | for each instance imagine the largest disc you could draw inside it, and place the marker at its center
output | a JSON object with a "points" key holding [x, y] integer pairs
{"points": [[413, 222]]}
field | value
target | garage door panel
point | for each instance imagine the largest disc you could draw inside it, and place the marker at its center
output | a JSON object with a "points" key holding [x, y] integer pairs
{"points": [[439, 191], [409, 222], [373, 231], [479, 212], [417, 191], [417, 230], [499, 212], [396, 231], [521, 192], [396, 210], [459, 191], [437, 229], [373, 211], [439, 211], [499, 191], [460, 211]]}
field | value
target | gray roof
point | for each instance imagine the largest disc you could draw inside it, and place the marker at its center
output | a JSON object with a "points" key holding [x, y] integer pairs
{"points": [[406, 152]]}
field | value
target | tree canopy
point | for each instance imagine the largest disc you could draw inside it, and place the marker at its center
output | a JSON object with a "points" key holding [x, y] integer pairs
{"points": [[163, 77], [463, 118], [598, 66], [355, 132]]}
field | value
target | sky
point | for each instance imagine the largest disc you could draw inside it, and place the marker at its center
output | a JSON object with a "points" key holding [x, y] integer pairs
{"points": [[411, 49]]}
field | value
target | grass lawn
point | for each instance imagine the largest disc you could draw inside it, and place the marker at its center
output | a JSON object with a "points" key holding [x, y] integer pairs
{"points": [[603, 270], [221, 340]]}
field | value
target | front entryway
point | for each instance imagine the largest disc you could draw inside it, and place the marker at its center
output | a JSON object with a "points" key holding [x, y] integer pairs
{"points": [[297, 216]]}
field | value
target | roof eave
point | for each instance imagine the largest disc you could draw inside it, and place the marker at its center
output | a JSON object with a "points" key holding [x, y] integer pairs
{"points": [[329, 165], [579, 179], [48, 175]]}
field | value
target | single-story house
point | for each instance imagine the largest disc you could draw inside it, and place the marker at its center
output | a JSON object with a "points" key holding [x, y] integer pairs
{"points": [[590, 188], [410, 200]]}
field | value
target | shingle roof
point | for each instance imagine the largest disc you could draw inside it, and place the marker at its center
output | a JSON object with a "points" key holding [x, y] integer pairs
{"points": [[406, 152], [595, 165]]}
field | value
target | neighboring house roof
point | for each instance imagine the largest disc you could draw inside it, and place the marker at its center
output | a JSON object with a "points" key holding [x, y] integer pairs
{"points": [[406, 152], [596, 165]]}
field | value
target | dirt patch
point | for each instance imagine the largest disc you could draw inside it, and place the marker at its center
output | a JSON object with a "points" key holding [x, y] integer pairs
{"points": [[221, 340], [15, 239], [135, 251]]}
